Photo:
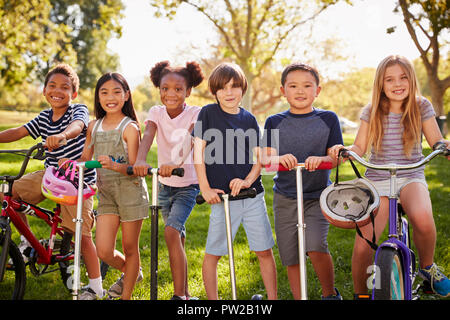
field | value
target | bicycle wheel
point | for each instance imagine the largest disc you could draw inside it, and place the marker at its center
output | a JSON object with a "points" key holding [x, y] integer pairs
{"points": [[13, 284], [389, 284]]}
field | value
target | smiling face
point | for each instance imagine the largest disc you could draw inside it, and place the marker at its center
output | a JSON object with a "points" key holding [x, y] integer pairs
{"points": [[300, 90], [173, 91], [229, 97], [395, 84], [112, 96], [59, 92]]}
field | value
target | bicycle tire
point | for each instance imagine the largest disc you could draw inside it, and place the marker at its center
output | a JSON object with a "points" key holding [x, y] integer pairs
{"points": [[15, 274], [389, 282]]}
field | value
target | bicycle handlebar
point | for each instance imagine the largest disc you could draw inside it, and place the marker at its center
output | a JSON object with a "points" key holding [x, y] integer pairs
{"points": [[175, 172], [27, 153], [439, 148], [243, 194]]}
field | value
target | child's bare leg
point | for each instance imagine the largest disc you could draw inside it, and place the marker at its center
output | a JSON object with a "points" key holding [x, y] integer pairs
{"points": [[178, 261], [130, 243], [268, 272], [324, 268], [209, 272]]}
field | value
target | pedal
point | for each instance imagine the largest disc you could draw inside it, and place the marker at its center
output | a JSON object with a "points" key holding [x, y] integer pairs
{"points": [[426, 287]]}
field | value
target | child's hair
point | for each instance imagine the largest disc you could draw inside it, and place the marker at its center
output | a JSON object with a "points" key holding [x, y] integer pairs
{"points": [[66, 70], [302, 67], [192, 73], [223, 73], [127, 109], [411, 118]]}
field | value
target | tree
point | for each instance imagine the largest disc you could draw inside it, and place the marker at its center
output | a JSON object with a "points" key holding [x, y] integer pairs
{"points": [[93, 23], [36, 34], [253, 30], [27, 37], [431, 19]]}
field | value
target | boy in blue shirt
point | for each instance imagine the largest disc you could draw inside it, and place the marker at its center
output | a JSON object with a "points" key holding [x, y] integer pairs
{"points": [[68, 121], [301, 134], [226, 139]]}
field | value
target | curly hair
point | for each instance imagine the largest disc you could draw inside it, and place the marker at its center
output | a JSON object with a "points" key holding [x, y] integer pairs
{"points": [[192, 73], [66, 70]]}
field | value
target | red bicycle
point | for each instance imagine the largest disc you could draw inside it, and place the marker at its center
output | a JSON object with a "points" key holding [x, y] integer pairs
{"points": [[57, 249]]}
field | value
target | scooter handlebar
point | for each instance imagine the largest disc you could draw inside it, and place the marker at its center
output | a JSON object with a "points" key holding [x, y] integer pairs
{"points": [[243, 194], [280, 167], [179, 172]]}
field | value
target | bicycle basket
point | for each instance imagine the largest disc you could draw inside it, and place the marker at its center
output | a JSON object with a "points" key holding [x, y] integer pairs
{"points": [[61, 185]]}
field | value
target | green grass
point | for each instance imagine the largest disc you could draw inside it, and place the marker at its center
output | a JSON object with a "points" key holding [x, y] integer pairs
{"points": [[247, 268]]}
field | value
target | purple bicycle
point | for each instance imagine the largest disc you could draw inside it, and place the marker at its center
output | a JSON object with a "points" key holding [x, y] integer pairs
{"points": [[395, 261]]}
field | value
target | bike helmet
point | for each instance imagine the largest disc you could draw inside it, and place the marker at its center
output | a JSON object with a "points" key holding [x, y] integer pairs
{"points": [[350, 204], [61, 185]]}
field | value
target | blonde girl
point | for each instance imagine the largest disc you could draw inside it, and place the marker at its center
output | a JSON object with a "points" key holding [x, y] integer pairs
{"points": [[392, 127]]}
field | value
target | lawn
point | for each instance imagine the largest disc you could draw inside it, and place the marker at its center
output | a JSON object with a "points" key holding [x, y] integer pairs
{"points": [[249, 282]]}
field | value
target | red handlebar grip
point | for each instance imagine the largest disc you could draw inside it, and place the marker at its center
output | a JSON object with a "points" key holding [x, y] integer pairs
{"points": [[280, 167]]}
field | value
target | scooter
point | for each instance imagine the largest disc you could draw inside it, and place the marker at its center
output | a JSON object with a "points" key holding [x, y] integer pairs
{"points": [[154, 208], [245, 193], [300, 219]]}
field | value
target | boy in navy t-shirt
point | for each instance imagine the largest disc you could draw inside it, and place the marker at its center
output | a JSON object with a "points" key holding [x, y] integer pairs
{"points": [[226, 141], [301, 134]]}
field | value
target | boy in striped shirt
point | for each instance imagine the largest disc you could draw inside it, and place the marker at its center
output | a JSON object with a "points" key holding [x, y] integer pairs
{"points": [[63, 121]]}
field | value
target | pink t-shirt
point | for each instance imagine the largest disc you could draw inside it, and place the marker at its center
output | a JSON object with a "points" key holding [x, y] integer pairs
{"points": [[170, 135]]}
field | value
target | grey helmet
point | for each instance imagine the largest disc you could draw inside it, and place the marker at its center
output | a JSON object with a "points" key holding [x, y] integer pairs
{"points": [[348, 203]]}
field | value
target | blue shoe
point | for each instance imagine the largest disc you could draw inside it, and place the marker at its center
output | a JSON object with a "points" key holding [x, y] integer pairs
{"points": [[336, 296], [439, 282]]}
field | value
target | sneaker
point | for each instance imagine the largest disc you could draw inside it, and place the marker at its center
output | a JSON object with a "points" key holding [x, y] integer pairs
{"points": [[439, 282], [174, 297], [115, 291], [336, 296], [25, 248], [90, 294], [192, 298], [358, 296]]}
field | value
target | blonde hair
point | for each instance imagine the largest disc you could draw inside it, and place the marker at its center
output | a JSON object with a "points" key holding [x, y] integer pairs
{"points": [[411, 118]]}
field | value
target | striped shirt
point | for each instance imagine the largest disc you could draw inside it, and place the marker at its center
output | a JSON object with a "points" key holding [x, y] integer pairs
{"points": [[43, 126], [392, 150]]}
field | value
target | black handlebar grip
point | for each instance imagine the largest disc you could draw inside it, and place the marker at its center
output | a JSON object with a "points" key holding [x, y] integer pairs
{"points": [[176, 172], [243, 194]]}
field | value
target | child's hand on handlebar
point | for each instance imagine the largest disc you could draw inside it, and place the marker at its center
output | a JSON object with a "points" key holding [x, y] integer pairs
{"points": [[55, 141], [288, 160], [140, 168], [211, 196], [106, 162], [237, 184], [165, 170], [312, 162], [334, 151]]}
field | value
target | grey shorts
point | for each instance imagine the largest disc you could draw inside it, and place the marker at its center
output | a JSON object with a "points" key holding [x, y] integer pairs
{"points": [[286, 218]]}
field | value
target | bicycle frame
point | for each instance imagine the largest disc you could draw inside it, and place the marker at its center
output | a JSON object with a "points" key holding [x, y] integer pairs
{"points": [[10, 210], [397, 237]]}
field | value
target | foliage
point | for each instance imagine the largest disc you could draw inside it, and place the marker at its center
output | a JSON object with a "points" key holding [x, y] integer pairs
{"points": [[34, 35], [431, 19], [253, 31]]}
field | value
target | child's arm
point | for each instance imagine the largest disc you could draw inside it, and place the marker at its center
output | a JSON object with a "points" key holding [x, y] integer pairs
{"points": [[432, 133], [359, 146], [73, 130], [210, 195], [87, 152], [165, 170], [131, 136], [13, 134], [270, 156], [141, 166], [237, 184]]}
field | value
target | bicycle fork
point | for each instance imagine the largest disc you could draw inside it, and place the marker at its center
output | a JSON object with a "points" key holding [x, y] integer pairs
{"points": [[5, 237]]}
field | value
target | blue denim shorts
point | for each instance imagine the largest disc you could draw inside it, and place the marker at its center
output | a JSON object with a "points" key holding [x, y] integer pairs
{"points": [[252, 213], [177, 204]]}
